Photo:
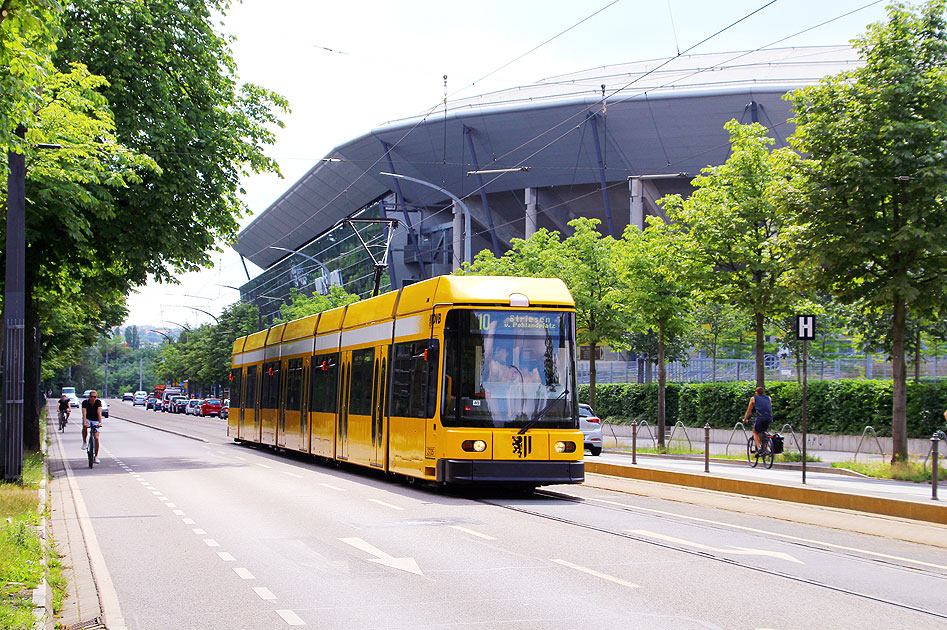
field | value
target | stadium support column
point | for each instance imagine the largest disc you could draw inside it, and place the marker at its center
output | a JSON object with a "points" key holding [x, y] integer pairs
{"points": [[636, 201], [531, 196], [458, 232]]}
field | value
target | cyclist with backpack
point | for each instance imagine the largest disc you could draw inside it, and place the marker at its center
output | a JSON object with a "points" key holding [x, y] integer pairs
{"points": [[92, 417], [763, 405], [63, 412]]}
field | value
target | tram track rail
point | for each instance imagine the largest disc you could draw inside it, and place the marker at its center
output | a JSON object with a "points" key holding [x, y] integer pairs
{"points": [[730, 561]]}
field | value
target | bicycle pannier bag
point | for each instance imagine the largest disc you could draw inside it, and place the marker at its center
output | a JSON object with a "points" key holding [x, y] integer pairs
{"points": [[777, 443]]}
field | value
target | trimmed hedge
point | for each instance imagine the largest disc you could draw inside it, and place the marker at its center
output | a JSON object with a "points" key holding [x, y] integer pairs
{"points": [[833, 407]]}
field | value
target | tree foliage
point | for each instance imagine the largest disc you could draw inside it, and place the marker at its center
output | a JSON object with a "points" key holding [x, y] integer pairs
{"points": [[742, 223], [300, 306], [876, 137]]}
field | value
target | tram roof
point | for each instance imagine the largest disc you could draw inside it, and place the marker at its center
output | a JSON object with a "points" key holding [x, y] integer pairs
{"points": [[658, 115]]}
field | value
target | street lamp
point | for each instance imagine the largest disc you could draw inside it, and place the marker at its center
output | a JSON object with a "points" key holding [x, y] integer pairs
{"points": [[14, 314], [462, 205]]}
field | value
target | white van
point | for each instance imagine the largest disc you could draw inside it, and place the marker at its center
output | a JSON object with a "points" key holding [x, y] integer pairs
{"points": [[70, 393]]}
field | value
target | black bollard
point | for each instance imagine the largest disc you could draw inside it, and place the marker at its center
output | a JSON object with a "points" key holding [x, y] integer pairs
{"points": [[707, 447], [935, 442], [634, 442]]}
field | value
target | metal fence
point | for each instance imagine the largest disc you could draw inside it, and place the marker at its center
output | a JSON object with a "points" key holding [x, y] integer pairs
{"points": [[702, 370]]}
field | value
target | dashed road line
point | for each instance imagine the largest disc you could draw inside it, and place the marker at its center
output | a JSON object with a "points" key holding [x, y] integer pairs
{"points": [[243, 573], [188, 521], [263, 592], [178, 512], [226, 557], [331, 487], [199, 532], [291, 474], [387, 505], [210, 542], [290, 618], [597, 574], [262, 465], [472, 532]]}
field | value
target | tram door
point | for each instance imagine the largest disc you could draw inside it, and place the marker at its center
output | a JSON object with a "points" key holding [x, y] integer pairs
{"points": [[342, 426], [249, 423], [380, 409]]}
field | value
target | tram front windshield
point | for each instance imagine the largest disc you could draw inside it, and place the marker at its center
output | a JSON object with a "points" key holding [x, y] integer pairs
{"points": [[508, 369]]}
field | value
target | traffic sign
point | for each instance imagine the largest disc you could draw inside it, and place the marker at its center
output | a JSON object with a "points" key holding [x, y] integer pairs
{"points": [[805, 327]]}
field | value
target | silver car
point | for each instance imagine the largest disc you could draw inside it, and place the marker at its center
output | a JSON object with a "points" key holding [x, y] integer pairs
{"points": [[591, 427]]}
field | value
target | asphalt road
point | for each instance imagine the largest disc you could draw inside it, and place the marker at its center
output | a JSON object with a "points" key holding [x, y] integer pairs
{"points": [[217, 535]]}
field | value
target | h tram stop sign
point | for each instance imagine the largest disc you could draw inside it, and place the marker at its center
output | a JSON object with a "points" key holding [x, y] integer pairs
{"points": [[805, 327]]}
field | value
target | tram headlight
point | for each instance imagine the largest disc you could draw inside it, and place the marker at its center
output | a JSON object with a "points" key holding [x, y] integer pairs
{"points": [[564, 447], [474, 446]]}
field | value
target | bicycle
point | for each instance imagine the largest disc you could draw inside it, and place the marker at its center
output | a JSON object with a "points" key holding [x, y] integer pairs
{"points": [[63, 421], [754, 455], [93, 441]]}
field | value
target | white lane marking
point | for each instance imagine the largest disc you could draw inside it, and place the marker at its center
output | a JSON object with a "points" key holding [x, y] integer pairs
{"points": [[769, 533], [286, 472], [243, 459], [199, 531], [155, 492], [332, 487], [472, 532], [170, 505], [135, 475], [162, 498], [178, 512], [210, 542], [221, 453], [262, 465], [598, 574], [263, 592], [243, 573], [226, 557], [387, 505], [740, 551], [290, 618], [188, 521], [402, 564]]}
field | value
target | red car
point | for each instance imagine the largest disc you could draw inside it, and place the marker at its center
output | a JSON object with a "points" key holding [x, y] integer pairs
{"points": [[210, 407]]}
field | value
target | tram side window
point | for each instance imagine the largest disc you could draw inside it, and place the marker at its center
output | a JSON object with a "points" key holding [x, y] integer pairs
{"points": [[360, 390], [235, 387], [323, 379], [294, 374], [412, 380], [250, 402], [270, 397]]}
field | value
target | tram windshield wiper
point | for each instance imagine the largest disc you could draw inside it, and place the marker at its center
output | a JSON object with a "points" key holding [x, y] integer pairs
{"points": [[539, 414]]}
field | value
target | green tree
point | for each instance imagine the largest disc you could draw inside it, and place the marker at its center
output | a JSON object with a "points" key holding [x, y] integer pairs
{"points": [[659, 293], [742, 222], [173, 88], [876, 138], [300, 306], [713, 322], [588, 263], [132, 338]]}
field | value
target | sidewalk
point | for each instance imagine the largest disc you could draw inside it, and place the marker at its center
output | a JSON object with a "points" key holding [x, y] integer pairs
{"points": [[81, 604]]}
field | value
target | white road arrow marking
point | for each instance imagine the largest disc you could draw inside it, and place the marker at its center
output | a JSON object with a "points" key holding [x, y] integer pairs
{"points": [[402, 564], [744, 551]]}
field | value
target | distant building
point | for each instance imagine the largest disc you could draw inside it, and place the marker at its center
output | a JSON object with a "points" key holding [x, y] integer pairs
{"points": [[604, 143]]}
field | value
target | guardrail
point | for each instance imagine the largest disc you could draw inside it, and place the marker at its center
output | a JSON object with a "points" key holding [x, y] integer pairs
{"points": [[677, 424], [792, 433], [877, 441], [732, 431]]}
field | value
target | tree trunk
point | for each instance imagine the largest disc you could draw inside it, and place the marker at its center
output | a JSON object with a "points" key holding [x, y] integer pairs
{"points": [[917, 356], [760, 373], [31, 350], [662, 378], [899, 389], [592, 375]]}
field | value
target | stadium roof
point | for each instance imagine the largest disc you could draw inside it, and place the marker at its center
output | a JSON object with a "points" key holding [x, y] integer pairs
{"points": [[658, 116]]}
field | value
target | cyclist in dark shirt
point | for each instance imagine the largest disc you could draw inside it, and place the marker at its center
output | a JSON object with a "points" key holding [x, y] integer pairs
{"points": [[763, 405], [92, 412], [64, 406]]}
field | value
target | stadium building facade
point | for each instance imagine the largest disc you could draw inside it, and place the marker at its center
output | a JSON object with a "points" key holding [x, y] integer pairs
{"points": [[604, 143]]}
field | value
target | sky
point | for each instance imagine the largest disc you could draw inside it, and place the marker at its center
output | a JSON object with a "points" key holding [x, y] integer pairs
{"points": [[348, 67]]}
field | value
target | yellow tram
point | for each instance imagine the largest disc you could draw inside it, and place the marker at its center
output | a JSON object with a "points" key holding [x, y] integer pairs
{"points": [[456, 379]]}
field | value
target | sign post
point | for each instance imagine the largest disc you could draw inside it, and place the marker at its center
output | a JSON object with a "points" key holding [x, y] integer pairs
{"points": [[805, 332]]}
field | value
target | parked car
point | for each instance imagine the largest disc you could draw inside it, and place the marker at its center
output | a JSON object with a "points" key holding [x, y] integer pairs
{"points": [[192, 407], [176, 404], [105, 408], [70, 393], [85, 394], [209, 407], [140, 399], [128, 396], [591, 426], [225, 409]]}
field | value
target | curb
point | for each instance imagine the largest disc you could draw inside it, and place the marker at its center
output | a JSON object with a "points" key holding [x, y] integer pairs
{"points": [[43, 594], [811, 467], [930, 512], [151, 426]]}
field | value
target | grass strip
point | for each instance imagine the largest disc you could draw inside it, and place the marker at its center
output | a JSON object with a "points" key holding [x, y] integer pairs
{"points": [[902, 471]]}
